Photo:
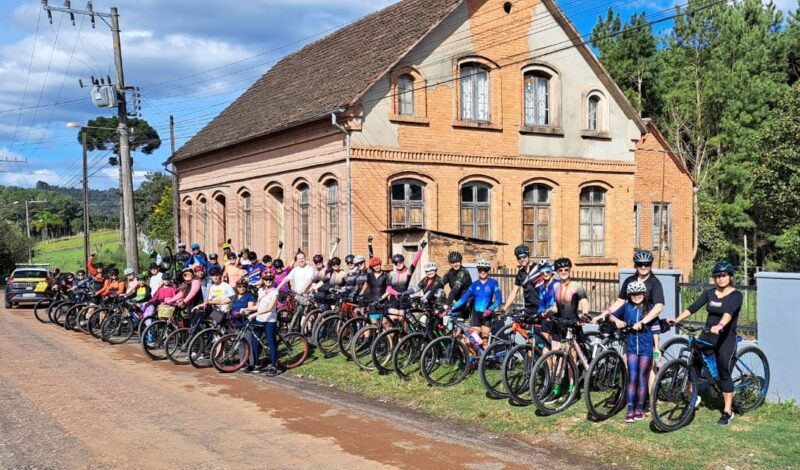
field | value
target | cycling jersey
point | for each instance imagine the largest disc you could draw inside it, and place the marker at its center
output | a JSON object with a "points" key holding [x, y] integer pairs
{"points": [[568, 297], [181, 257], [547, 295], [400, 279], [428, 288], [376, 286], [641, 342], [487, 295], [242, 301], [279, 277], [527, 278], [458, 281], [140, 294]]}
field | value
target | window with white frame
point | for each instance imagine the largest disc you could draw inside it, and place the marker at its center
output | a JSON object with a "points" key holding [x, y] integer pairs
{"points": [[405, 95], [474, 93], [304, 214], [592, 221], [593, 118], [247, 219], [537, 99], [407, 204], [536, 219], [662, 225], [476, 211], [332, 212]]}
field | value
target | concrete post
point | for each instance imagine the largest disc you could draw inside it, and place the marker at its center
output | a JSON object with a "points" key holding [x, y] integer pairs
{"points": [[778, 332]]}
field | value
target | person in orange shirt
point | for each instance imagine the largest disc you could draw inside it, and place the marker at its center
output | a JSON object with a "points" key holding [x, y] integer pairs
{"points": [[97, 274]]}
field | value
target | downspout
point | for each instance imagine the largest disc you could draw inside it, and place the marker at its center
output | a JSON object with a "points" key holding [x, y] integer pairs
{"points": [[336, 124]]}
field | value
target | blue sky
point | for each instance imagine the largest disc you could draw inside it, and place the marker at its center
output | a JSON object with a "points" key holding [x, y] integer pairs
{"points": [[190, 58]]}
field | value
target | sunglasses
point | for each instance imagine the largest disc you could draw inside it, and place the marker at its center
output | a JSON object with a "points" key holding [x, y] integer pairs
{"points": [[521, 258], [640, 265], [483, 270], [563, 270], [268, 279]]}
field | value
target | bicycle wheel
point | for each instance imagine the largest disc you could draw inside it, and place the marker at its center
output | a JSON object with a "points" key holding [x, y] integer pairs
{"points": [[83, 321], [490, 368], [307, 323], [154, 338], [292, 350], [93, 324], [327, 335], [515, 373], [123, 332], [673, 348], [405, 356], [317, 322], [361, 345], [673, 396], [381, 350], [230, 353], [69, 315], [750, 374], [553, 382], [56, 314], [40, 310], [444, 362], [51, 309], [200, 348], [347, 333], [168, 261], [604, 386], [109, 325], [176, 346]]}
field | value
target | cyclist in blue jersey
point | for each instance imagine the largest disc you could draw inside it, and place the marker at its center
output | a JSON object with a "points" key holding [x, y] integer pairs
{"points": [[487, 294], [547, 289]]}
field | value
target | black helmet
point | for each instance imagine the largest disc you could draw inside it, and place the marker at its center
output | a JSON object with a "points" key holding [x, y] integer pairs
{"points": [[166, 277], [153, 266], [215, 272], [141, 277], [80, 271], [266, 259], [113, 272], [349, 259], [335, 261], [522, 250], [562, 263], [398, 258], [252, 256], [277, 263], [317, 259], [722, 267], [643, 257], [454, 257]]}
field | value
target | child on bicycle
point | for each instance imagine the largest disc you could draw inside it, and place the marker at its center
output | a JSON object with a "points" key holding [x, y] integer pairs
{"points": [[638, 346]]}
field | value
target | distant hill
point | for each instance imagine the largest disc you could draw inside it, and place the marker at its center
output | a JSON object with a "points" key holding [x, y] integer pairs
{"points": [[103, 204]]}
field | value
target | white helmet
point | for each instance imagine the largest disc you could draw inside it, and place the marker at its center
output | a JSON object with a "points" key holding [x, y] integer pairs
{"points": [[484, 263], [431, 267], [637, 287], [128, 271], [358, 259]]}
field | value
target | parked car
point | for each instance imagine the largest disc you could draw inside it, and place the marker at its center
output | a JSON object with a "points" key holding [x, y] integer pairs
{"points": [[27, 284]]}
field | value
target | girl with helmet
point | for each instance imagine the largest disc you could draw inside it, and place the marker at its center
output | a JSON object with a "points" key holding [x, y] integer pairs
{"points": [[723, 303], [161, 295], [638, 346], [487, 294], [265, 314], [547, 288]]}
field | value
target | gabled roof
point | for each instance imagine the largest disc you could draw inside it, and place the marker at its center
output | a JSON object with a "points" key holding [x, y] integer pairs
{"points": [[308, 84]]}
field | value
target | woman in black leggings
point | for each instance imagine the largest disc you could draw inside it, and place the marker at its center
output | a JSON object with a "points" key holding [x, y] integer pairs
{"points": [[723, 304]]}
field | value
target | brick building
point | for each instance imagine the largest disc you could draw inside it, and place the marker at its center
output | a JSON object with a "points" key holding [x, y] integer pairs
{"points": [[486, 119]]}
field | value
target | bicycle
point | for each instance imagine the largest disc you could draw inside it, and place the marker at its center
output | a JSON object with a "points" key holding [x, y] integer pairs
{"points": [[674, 394], [415, 317], [201, 344], [119, 327], [607, 377], [364, 339], [230, 352], [406, 354], [153, 339], [515, 368]]}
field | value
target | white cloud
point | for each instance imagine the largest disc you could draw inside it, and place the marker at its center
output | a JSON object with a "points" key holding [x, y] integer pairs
{"points": [[28, 179]]}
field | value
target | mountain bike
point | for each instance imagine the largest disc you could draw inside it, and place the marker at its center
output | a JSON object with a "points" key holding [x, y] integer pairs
{"points": [[200, 345], [515, 368], [607, 376], [674, 394], [407, 352], [168, 319], [416, 314], [230, 352], [119, 327]]}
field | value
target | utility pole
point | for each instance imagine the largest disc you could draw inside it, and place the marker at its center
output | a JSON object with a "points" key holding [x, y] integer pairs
{"points": [[85, 203], [129, 229], [176, 211], [28, 226]]}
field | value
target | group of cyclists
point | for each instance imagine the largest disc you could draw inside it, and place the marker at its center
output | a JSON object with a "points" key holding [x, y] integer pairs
{"points": [[254, 291]]}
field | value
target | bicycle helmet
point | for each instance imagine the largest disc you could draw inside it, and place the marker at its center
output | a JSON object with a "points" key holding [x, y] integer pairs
{"points": [[483, 264], [317, 259], [643, 257], [637, 287], [129, 271], [231, 255], [252, 256], [544, 266], [267, 275], [398, 258], [349, 259], [213, 256], [199, 268], [375, 262], [277, 263], [335, 261], [522, 251], [195, 246], [215, 272], [431, 267], [722, 267], [454, 257], [562, 263], [80, 272], [113, 272], [266, 259], [153, 266], [166, 277], [358, 259], [141, 277], [243, 282], [186, 270]]}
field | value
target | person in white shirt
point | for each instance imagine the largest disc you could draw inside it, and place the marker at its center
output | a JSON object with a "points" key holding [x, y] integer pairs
{"points": [[265, 314], [220, 294], [301, 276], [155, 277]]}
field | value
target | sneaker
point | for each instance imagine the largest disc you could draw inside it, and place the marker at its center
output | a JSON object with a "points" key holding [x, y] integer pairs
{"points": [[270, 371], [697, 402], [630, 417], [248, 369], [638, 415], [725, 419]]}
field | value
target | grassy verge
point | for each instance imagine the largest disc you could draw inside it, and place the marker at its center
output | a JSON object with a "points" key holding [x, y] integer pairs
{"points": [[67, 253], [765, 438]]}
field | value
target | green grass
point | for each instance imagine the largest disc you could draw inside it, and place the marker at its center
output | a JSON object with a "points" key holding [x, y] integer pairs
{"points": [[67, 253], [765, 438]]}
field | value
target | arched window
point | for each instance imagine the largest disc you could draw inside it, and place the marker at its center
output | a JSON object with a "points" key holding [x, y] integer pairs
{"points": [[475, 211], [593, 118], [405, 95], [189, 220], [204, 221], [474, 92], [592, 221], [408, 204], [304, 213], [247, 219], [538, 109], [332, 212], [220, 222], [276, 221], [536, 219]]}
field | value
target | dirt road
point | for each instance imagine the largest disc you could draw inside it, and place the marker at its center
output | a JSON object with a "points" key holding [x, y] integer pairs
{"points": [[70, 401]]}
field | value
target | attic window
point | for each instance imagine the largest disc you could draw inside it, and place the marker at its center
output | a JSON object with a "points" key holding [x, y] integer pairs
{"points": [[507, 7]]}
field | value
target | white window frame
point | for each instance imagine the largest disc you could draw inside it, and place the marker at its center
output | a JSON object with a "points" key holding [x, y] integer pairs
{"points": [[592, 215], [475, 92]]}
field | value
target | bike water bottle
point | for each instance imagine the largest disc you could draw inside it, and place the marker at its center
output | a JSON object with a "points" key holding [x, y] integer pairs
{"points": [[711, 362]]}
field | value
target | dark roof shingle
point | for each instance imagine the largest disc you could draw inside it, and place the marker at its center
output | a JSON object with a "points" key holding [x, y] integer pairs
{"points": [[331, 72]]}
